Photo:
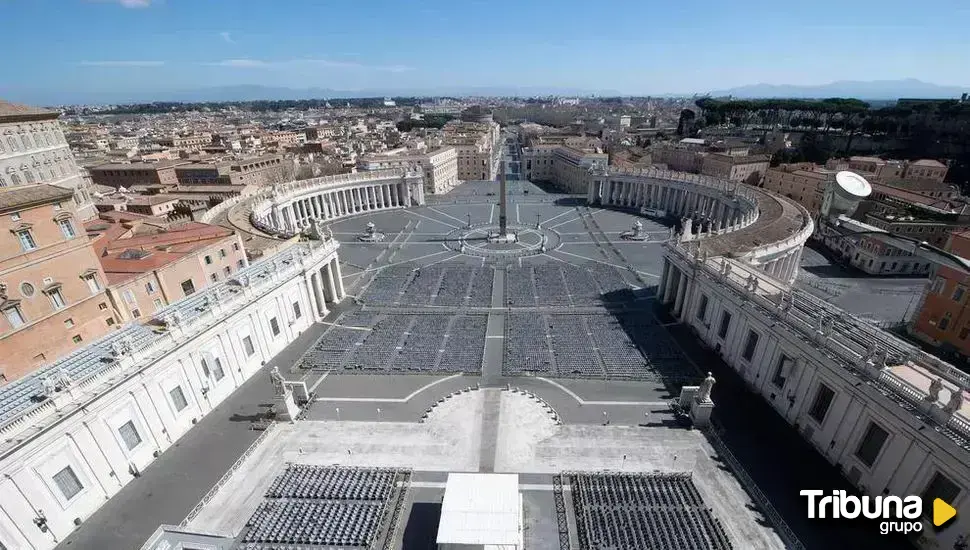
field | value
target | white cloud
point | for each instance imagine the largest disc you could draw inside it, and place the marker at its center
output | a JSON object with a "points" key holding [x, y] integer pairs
{"points": [[260, 64], [241, 63], [135, 3], [121, 63], [227, 37]]}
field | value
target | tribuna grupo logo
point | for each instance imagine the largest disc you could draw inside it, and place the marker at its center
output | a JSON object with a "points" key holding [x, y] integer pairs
{"points": [[899, 514]]}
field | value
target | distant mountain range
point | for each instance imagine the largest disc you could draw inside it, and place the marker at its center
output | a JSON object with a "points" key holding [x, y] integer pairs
{"points": [[866, 90], [873, 89]]}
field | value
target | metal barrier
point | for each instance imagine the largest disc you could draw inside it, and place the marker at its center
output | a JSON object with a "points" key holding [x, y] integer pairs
{"points": [[784, 532], [225, 477]]}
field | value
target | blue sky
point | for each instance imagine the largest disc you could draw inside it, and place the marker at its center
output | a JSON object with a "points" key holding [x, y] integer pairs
{"points": [[634, 46]]}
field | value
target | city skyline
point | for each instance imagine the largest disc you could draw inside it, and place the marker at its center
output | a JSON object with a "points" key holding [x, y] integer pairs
{"points": [[155, 47]]}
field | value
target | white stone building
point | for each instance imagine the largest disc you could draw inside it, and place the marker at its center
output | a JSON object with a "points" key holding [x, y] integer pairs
{"points": [[439, 166], [77, 432], [33, 150]]}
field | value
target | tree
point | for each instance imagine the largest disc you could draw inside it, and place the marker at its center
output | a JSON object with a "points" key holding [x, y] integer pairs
{"points": [[686, 121]]}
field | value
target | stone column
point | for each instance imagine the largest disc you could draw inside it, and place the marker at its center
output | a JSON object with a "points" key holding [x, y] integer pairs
{"points": [[662, 286], [329, 286], [317, 289], [670, 286], [681, 291], [338, 279]]}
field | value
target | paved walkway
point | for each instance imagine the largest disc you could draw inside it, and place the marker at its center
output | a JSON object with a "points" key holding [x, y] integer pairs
{"points": [[174, 483]]}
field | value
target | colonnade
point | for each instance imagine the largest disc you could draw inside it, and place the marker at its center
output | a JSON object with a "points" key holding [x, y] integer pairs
{"points": [[673, 287], [326, 284], [784, 267], [295, 214], [673, 199]]}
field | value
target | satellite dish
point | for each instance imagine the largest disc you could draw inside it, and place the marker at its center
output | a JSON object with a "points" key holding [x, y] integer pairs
{"points": [[844, 193]]}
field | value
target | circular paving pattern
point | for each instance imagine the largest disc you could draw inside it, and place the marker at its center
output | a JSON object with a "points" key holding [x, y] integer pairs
{"points": [[478, 240]]}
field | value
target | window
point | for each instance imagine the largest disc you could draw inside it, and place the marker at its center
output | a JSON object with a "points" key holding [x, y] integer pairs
{"points": [[157, 302], [150, 287], [15, 216], [945, 321], [235, 246], [296, 310], [188, 287], [958, 293], [222, 252], [871, 444], [57, 299], [702, 308], [217, 373], [68, 323], [26, 240], [14, 316], [781, 371], [77, 339], [135, 312], [725, 325], [26, 289], [178, 398], [275, 326], [939, 487], [820, 406], [67, 229], [248, 346], [68, 483], [227, 270], [208, 260], [129, 434], [214, 277], [241, 264], [129, 296], [102, 306], [110, 321], [750, 345]]}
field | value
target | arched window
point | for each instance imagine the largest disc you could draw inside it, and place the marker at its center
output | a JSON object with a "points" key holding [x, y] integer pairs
{"points": [[25, 139], [28, 176], [41, 140], [3, 182], [53, 175], [61, 168], [1, 146], [15, 179], [12, 144], [50, 138]]}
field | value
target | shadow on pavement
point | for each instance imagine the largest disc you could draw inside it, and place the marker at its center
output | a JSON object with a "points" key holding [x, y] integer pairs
{"points": [[421, 531]]}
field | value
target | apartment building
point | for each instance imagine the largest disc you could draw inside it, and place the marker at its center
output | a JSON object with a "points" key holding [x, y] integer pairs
{"points": [[742, 168], [33, 150], [137, 173], [803, 182], [683, 157], [186, 143], [899, 173], [149, 265], [439, 166], [263, 170], [942, 317], [52, 287], [151, 205], [478, 148]]}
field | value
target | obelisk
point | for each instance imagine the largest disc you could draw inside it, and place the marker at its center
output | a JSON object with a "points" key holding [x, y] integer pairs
{"points": [[502, 225]]}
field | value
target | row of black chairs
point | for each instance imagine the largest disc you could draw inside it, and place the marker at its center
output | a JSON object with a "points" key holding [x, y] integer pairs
{"points": [[643, 511], [306, 481], [526, 347], [318, 522]]}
